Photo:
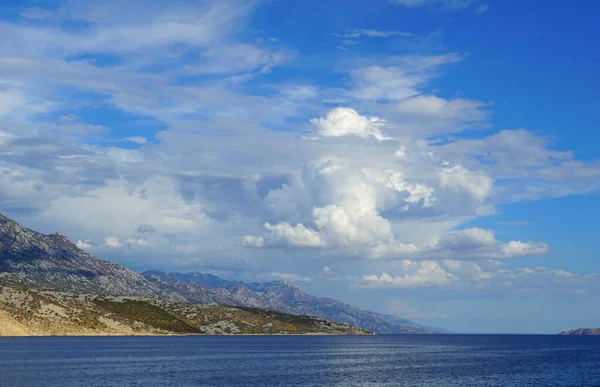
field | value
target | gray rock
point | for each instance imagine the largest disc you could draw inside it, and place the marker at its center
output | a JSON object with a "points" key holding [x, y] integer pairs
{"points": [[279, 296]]}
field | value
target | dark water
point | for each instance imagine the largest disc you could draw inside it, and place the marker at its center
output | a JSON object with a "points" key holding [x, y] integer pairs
{"points": [[445, 360]]}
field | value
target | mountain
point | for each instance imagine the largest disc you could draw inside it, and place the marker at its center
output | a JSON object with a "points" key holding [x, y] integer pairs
{"points": [[49, 313], [280, 296], [29, 259], [582, 332]]}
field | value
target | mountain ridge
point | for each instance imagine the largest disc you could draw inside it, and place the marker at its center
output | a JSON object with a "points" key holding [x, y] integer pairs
{"points": [[281, 296], [34, 260]]}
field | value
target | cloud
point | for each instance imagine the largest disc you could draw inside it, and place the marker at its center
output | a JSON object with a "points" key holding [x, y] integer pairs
{"points": [[347, 122], [112, 241], [136, 140], [421, 274], [436, 109], [446, 5], [145, 228], [477, 184], [239, 58], [108, 32], [297, 235], [473, 243], [357, 33], [83, 244], [489, 276], [290, 277], [516, 223]]}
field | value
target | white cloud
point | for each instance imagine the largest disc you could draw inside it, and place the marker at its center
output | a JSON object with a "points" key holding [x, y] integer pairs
{"points": [[83, 244], [137, 140], [439, 110], [474, 243], [437, 4], [297, 235], [357, 33], [347, 122], [238, 59], [112, 241], [419, 274], [150, 28], [290, 277], [477, 184], [468, 276]]}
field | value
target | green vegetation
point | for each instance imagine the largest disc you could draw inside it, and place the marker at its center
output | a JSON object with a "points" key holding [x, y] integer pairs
{"points": [[146, 313], [284, 317]]}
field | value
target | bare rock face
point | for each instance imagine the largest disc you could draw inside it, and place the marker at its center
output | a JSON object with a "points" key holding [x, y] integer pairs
{"points": [[31, 259]]}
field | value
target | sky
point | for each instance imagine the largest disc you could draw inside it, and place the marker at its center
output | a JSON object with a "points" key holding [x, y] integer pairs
{"points": [[433, 159]]}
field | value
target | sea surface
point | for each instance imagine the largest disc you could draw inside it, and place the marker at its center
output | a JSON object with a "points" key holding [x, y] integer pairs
{"points": [[402, 360]]}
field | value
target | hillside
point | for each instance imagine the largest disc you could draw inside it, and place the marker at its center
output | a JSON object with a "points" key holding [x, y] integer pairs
{"points": [[48, 313], [278, 295]]}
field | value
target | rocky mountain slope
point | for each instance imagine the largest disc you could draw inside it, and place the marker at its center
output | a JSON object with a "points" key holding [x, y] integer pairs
{"points": [[582, 332], [278, 295], [50, 313], [34, 260]]}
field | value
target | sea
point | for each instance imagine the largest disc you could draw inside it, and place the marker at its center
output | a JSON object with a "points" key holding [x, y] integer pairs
{"points": [[383, 360]]}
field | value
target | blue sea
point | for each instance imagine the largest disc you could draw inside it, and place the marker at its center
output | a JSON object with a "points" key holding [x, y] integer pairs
{"points": [[403, 360]]}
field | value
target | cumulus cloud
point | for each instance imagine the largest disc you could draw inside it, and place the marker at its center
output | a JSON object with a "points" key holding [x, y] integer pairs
{"points": [[477, 183], [347, 122], [297, 235]]}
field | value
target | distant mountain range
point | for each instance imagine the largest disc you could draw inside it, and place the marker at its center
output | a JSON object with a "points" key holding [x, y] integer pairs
{"points": [[34, 260], [278, 295]]}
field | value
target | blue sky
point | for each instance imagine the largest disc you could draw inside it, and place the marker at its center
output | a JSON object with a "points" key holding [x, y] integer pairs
{"points": [[434, 159]]}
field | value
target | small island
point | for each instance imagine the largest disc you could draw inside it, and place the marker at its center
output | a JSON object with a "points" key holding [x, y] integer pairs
{"points": [[582, 332]]}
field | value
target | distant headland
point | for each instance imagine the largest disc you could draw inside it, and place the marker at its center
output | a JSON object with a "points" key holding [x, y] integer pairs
{"points": [[582, 332]]}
